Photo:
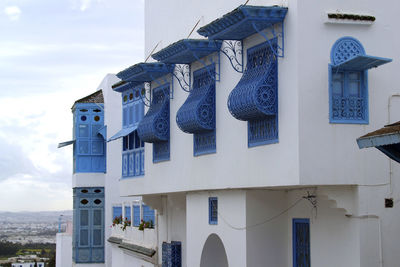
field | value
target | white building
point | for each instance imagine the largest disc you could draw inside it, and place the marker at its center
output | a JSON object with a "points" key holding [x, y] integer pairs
{"points": [[253, 160]]}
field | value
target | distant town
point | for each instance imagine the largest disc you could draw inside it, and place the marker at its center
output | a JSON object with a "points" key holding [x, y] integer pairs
{"points": [[28, 238]]}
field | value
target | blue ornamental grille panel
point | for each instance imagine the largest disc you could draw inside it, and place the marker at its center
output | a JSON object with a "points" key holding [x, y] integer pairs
{"points": [[197, 114], [88, 225], [161, 151], [204, 143], [348, 89], [213, 210], [172, 254], [301, 243], [154, 127], [255, 98]]}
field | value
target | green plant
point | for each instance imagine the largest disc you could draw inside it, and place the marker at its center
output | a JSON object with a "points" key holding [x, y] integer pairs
{"points": [[145, 224], [125, 224], [117, 220]]}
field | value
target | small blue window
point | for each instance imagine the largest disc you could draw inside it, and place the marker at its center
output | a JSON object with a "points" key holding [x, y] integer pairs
{"points": [[136, 215], [128, 213], [117, 212], [301, 243], [148, 214], [213, 210]]}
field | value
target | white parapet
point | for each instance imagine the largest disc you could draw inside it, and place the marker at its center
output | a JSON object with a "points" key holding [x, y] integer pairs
{"points": [[64, 249]]}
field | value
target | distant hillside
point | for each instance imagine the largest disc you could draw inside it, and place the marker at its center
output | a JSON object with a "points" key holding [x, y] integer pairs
{"points": [[40, 216]]}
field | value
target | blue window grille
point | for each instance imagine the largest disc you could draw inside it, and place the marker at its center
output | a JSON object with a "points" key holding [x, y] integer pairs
{"points": [[148, 214], [213, 210], [128, 213], [154, 127], [136, 215], [197, 114], [88, 221], [132, 146], [255, 98], [172, 254], [89, 145], [301, 243], [348, 81]]}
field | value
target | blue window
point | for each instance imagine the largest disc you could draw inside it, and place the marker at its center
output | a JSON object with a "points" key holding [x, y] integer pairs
{"points": [[136, 215], [128, 213], [255, 97], [117, 212], [132, 146], [88, 237], [148, 214], [301, 243], [348, 81], [213, 210], [89, 145]]}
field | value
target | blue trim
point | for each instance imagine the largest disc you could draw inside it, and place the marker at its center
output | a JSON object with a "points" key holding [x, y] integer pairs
{"points": [[238, 24], [67, 143], [124, 86], [186, 51], [128, 212], [145, 72], [362, 62], [301, 243], [213, 210], [122, 133], [380, 140]]}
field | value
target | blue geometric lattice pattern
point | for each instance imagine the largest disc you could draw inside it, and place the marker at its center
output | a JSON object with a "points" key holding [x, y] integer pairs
{"points": [[346, 48], [204, 143], [161, 151], [256, 94], [154, 127], [263, 131], [197, 114]]}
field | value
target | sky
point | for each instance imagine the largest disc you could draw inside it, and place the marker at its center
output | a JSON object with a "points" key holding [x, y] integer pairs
{"points": [[51, 54]]}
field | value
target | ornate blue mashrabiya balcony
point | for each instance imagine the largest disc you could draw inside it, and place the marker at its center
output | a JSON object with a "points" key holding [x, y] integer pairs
{"points": [[255, 97], [197, 114], [154, 127]]}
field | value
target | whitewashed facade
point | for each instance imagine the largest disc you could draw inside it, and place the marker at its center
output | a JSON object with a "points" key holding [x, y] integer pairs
{"points": [[315, 173]]}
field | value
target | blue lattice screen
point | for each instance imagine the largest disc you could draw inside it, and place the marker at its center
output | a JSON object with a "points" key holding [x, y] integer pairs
{"points": [[172, 254], [213, 210]]}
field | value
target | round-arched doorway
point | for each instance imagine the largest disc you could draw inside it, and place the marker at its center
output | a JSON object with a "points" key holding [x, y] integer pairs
{"points": [[213, 254]]}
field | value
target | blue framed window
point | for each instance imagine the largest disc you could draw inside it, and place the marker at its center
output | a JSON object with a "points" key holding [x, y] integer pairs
{"points": [[132, 146], [213, 210], [148, 214], [117, 212], [348, 81], [301, 243], [128, 213], [88, 237], [136, 215], [255, 97]]}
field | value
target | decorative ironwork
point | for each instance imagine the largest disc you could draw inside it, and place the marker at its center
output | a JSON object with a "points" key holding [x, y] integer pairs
{"points": [[256, 94], [197, 114], [182, 74], [346, 48], [145, 94], [233, 50], [273, 35], [154, 126]]}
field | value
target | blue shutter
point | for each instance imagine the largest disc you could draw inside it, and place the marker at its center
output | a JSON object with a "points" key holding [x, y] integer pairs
{"points": [[117, 211], [136, 215], [301, 243], [148, 214], [213, 210]]}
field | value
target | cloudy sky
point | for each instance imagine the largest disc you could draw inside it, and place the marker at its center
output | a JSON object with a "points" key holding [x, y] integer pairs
{"points": [[53, 52]]}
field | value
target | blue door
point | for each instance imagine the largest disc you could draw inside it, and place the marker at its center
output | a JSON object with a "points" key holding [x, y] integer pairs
{"points": [[301, 243]]}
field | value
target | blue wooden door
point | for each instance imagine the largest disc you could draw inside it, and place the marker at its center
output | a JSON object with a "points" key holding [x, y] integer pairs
{"points": [[301, 243]]}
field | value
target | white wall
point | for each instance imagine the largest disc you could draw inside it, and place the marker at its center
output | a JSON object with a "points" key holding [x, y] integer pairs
{"points": [[63, 250], [231, 214]]}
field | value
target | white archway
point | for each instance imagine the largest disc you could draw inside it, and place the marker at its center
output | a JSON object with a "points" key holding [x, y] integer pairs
{"points": [[213, 254]]}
